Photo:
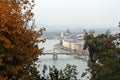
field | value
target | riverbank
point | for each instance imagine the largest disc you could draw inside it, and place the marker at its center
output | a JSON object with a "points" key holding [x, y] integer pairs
{"points": [[84, 54]]}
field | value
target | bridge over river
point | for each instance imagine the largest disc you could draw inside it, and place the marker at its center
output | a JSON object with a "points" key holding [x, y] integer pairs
{"points": [[76, 55], [57, 52]]}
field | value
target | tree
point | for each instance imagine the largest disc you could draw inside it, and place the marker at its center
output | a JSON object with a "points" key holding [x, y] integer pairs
{"points": [[18, 41], [104, 61], [68, 73]]}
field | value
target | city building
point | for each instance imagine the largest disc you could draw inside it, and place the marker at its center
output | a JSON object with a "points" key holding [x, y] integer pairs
{"points": [[74, 43]]}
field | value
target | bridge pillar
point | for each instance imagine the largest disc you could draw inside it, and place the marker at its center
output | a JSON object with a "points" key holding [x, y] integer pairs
{"points": [[55, 55]]}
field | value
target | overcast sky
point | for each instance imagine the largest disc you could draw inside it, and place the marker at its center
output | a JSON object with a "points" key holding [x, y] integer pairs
{"points": [[77, 13]]}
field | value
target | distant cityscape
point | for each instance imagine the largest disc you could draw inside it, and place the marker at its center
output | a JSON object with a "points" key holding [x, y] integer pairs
{"points": [[56, 34], [73, 42]]}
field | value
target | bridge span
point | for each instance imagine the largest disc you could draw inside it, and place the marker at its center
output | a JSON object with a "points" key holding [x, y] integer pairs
{"points": [[55, 53], [62, 53]]}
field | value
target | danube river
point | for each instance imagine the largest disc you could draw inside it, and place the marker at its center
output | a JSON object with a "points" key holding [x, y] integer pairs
{"points": [[62, 60]]}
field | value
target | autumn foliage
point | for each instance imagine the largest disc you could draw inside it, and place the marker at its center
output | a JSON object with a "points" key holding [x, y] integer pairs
{"points": [[18, 40]]}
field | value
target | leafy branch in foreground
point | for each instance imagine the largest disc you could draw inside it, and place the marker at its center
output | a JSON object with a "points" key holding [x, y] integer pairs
{"points": [[104, 60], [68, 73], [18, 41]]}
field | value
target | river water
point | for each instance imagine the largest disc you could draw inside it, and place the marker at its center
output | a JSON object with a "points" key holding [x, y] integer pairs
{"points": [[62, 60]]}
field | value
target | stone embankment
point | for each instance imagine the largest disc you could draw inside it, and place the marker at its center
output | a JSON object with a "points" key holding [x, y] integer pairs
{"points": [[82, 54]]}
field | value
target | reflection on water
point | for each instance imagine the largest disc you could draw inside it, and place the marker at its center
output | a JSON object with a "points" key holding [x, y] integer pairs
{"points": [[62, 60]]}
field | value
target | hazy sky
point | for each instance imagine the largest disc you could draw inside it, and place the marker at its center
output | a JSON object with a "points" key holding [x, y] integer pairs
{"points": [[77, 13]]}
